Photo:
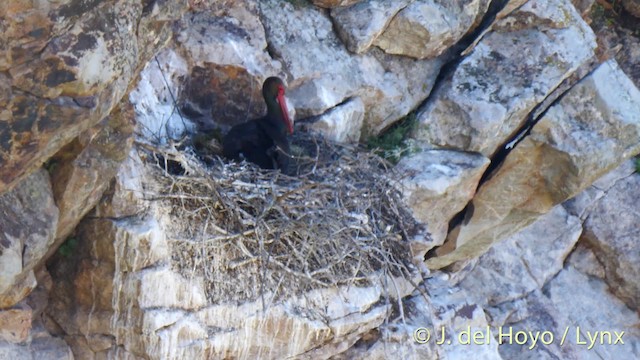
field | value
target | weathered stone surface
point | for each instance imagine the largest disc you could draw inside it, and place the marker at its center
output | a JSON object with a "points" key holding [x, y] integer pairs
{"points": [[583, 260], [437, 184], [593, 129], [446, 309], [22, 334], [426, 28], [219, 91], [143, 243], [153, 100], [163, 288], [514, 67], [632, 6], [583, 7], [219, 61], [582, 204], [620, 43], [38, 300], [126, 195], [455, 313], [611, 231], [334, 3], [68, 66], [526, 260], [569, 302], [328, 74], [396, 339], [560, 298], [49, 347], [226, 59], [234, 37], [360, 24], [14, 351], [82, 170], [342, 123], [117, 253], [21, 287], [347, 314], [15, 324], [27, 229]]}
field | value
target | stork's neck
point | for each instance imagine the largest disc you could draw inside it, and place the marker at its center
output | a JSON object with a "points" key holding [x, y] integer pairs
{"points": [[275, 116]]}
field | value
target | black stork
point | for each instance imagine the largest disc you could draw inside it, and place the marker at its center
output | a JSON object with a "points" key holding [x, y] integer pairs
{"points": [[263, 141]]}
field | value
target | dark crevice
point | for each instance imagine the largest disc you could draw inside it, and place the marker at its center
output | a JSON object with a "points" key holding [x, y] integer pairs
{"points": [[313, 118], [454, 52], [532, 118], [453, 56], [537, 113], [456, 57]]}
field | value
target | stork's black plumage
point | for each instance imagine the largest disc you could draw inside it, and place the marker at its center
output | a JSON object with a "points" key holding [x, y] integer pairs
{"points": [[263, 141]]}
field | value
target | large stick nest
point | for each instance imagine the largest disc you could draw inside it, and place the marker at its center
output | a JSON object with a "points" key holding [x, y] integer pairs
{"points": [[254, 233]]}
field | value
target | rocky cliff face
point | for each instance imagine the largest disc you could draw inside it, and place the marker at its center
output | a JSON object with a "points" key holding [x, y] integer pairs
{"points": [[521, 169]]}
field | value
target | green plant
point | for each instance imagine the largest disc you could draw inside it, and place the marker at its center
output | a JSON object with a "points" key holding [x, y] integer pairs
{"points": [[393, 143], [637, 159], [604, 13], [68, 247]]}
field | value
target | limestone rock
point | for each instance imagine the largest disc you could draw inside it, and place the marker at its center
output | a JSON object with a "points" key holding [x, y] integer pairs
{"points": [[87, 270], [116, 294], [525, 261], [584, 8], [82, 170], [327, 74], [15, 324], [582, 204], [334, 3], [49, 347], [143, 241], [22, 286], [622, 44], [126, 195], [611, 232], [348, 313], [593, 129], [447, 311], [560, 297], [14, 351], [437, 184], [456, 313], [342, 123], [28, 225], [163, 288], [75, 66], [583, 260], [426, 28], [632, 6], [360, 24], [219, 61], [225, 59], [153, 100], [570, 302], [515, 66]]}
